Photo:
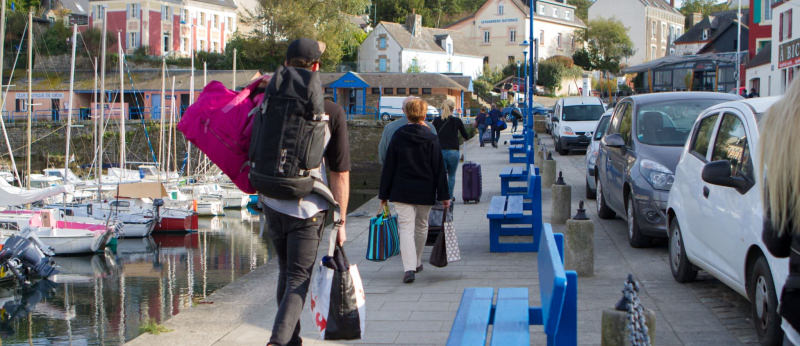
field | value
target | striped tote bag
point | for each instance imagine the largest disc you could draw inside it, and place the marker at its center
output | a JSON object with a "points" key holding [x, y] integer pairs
{"points": [[384, 241]]}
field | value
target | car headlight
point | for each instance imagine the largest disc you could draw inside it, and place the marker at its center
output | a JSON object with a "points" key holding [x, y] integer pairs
{"points": [[660, 177], [568, 131]]}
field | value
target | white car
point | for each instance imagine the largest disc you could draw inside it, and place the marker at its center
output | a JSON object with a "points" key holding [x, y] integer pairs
{"points": [[715, 215], [573, 120], [592, 151]]}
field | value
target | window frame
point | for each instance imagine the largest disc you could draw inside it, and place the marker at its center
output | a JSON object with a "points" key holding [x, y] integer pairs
{"points": [[401, 91], [382, 42], [712, 147], [487, 37], [383, 64], [512, 35], [711, 136], [427, 91], [388, 91], [500, 9], [413, 91], [376, 91]]}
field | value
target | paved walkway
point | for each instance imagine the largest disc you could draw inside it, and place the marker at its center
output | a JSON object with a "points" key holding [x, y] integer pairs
{"points": [[422, 313]]}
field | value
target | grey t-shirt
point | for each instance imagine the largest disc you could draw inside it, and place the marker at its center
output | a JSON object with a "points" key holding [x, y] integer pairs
{"points": [[388, 132]]}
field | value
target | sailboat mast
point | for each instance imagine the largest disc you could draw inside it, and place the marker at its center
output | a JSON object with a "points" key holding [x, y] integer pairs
{"points": [[171, 112], [163, 113], [205, 82], [30, 100], [71, 99], [100, 130], [233, 87], [121, 104], [191, 101], [94, 122]]}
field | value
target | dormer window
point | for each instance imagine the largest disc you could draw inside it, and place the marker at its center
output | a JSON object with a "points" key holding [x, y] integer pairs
{"points": [[449, 48], [567, 15], [705, 34], [555, 12]]}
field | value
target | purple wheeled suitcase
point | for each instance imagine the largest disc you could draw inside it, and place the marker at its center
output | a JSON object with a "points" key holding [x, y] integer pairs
{"points": [[472, 184]]}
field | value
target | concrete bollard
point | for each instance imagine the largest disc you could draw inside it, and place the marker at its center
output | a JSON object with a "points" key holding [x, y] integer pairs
{"points": [[548, 170], [536, 145], [562, 201], [579, 243], [615, 331], [540, 155]]}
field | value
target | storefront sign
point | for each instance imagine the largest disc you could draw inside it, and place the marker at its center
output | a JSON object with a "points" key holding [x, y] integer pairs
{"points": [[500, 20], [24, 96], [789, 54]]}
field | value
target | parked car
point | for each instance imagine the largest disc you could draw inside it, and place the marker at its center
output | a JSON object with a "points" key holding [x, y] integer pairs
{"points": [[573, 121], [592, 150], [638, 155], [391, 107], [715, 215]]}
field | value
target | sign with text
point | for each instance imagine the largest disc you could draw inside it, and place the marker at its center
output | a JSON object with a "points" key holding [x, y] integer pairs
{"points": [[789, 54], [500, 20], [24, 96]]}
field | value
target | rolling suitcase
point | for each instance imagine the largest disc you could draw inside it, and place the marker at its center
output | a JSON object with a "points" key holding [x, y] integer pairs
{"points": [[471, 187]]}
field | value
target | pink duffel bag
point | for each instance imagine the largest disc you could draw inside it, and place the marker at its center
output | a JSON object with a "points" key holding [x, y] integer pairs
{"points": [[218, 124]]}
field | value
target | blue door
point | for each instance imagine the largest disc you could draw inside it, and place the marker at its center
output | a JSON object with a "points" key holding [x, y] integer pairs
{"points": [[155, 109]]}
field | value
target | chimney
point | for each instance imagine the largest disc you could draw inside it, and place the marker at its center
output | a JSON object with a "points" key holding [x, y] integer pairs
{"points": [[672, 3], [414, 23], [696, 17]]}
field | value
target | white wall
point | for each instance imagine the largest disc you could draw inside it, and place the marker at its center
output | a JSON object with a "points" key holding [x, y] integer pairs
{"points": [[763, 73], [632, 15], [368, 52], [437, 62], [688, 48], [779, 79]]}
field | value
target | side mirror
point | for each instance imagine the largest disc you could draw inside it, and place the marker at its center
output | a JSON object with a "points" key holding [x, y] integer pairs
{"points": [[553, 118], [719, 173], [613, 141]]}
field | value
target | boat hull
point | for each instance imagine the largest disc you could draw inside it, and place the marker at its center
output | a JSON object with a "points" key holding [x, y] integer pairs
{"points": [[136, 230]]}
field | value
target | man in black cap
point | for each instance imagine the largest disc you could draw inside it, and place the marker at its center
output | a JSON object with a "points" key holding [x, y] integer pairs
{"points": [[296, 226]]}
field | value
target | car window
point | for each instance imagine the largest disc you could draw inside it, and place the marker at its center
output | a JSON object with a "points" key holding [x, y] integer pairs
{"points": [[582, 112], [625, 125], [601, 128], [614, 126], [731, 145], [702, 137], [669, 123]]}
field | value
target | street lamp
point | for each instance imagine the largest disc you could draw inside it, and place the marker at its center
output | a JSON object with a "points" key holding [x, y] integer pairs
{"points": [[528, 94], [516, 92]]}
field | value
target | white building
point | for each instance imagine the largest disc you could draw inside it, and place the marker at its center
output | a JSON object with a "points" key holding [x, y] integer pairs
{"points": [[785, 62], [394, 47], [653, 25], [499, 28]]}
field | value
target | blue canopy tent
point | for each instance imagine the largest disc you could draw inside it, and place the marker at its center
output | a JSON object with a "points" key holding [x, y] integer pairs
{"points": [[351, 80]]}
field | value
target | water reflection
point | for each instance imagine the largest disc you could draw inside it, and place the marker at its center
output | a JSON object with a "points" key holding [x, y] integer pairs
{"points": [[104, 298]]}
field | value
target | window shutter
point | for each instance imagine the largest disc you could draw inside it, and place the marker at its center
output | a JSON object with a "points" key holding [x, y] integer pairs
{"points": [[780, 29], [789, 26]]}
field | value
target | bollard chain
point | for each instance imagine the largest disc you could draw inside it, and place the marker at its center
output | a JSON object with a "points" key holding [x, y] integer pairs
{"points": [[637, 323]]}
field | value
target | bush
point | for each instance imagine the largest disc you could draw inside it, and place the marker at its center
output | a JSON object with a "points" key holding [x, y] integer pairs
{"points": [[562, 60]]}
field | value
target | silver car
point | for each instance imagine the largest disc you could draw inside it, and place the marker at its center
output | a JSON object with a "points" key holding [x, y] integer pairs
{"points": [[592, 151]]}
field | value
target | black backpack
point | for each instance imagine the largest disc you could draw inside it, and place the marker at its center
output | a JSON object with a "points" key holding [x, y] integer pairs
{"points": [[289, 137]]}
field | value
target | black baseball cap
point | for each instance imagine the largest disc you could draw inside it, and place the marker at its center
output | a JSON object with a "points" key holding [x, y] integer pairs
{"points": [[305, 48]]}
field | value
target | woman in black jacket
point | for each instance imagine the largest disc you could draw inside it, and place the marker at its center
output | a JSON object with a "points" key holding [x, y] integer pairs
{"points": [[448, 127], [413, 178], [781, 197]]}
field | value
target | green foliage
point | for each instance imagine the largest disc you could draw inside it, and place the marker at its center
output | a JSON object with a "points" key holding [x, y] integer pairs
{"points": [[584, 58], [153, 327], [555, 69], [435, 13], [604, 85], [414, 68], [24, 5], [484, 84], [93, 38], [55, 40], [706, 7], [609, 43], [582, 8]]}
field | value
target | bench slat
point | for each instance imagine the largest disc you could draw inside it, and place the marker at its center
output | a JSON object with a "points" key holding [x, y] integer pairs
{"points": [[506, 171], [472, 319], [517, 170], [552, 280], [514, 207], [511, 317], [497, 208]]}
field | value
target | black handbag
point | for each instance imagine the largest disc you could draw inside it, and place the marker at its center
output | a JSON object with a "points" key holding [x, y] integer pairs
{"points": [[343, 318], [439, 252], [790, 301]]}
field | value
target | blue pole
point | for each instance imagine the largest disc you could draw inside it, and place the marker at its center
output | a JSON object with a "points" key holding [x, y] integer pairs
{"points": [[530, 86]]}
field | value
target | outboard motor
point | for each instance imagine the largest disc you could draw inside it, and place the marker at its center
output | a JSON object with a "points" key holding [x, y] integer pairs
{"points": [[24, 255], [157, 204]]}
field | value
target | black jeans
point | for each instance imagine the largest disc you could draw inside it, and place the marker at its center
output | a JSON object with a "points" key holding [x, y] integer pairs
{"points": [[296, 242]]}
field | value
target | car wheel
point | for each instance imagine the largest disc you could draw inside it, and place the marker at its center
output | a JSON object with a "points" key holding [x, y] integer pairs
{"points": [[682, 269], [764, 303], [590, 194], [603, 211], [386, 117], [635, 236]]}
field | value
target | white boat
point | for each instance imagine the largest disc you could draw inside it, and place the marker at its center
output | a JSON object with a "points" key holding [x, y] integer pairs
{"points": [[64, 235], [134, 224]]}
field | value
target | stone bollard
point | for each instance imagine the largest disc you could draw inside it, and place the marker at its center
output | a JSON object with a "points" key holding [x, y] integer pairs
{"points": [[540, 155], [629, 323], [536, 144], [579, 243], [562, 201], [548, 170]]}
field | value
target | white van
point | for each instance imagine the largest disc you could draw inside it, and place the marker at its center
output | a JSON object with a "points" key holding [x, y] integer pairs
{"points": [[573, 121], [392, 107]]}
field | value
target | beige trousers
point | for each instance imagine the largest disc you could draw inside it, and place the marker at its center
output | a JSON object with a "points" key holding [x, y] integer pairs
{"points": [[412, 222]]}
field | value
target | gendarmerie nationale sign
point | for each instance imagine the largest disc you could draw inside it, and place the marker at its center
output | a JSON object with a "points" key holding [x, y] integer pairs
{"points": [[789, 54]]}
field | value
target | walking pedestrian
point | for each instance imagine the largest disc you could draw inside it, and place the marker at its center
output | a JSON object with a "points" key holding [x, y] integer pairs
{"points": [[391, 128], [516, 116], [413, 178], [781, 196], [449, 128], [753, 93], [495, 116], [295, 226], [481, 123]]}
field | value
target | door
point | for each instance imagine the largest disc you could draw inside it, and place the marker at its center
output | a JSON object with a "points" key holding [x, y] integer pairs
{"points": [[688, 188], [155, 106], [55, 107], [617, 165], [725, 241], [351, 100]]}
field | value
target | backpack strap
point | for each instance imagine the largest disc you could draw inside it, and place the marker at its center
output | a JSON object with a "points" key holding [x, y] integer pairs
{"points": [[325, 192]]}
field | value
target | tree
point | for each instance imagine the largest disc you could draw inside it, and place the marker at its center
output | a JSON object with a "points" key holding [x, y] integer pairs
{"points": [[582, 8], [55, 40], [706, 7], [609, 43], [550, 74], [584, 58]]}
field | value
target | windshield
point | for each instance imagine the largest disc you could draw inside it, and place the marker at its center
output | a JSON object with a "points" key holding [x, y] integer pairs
{"points": [[669, 123], [601, 128], [582, 112]]}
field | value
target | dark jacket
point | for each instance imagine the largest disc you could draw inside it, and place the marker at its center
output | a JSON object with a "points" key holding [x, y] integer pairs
{"points": [[413, 171], [494, 116], [448, 132], [783, 245], [480, 119]]}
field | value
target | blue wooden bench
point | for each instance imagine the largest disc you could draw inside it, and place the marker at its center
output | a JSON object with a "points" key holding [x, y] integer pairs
{"points": [[511, 316], [513, 216], [512, 174]]}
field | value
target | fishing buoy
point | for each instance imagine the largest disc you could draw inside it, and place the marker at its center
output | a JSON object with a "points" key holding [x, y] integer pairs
{"points": [[194, 205]]}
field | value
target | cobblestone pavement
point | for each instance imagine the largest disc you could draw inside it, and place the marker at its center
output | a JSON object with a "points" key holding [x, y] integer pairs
{"points": [[705, 312]]}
